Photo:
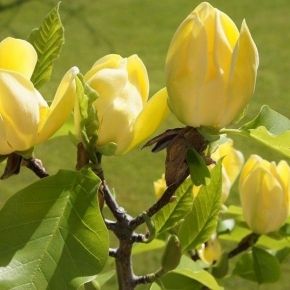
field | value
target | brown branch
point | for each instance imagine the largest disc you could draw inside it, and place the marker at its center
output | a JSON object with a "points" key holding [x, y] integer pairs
{"points": [[164, 200], [246, 243], [36, 166]]}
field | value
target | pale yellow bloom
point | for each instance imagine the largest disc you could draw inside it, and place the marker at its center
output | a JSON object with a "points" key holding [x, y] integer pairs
{"points": [[265, 193], [125, 114], [25, 117], [232, 163], [211, 68], [211, 251]]}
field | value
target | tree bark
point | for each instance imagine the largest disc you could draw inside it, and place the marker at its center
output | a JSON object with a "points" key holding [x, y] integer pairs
{"points": [[125, 273]]}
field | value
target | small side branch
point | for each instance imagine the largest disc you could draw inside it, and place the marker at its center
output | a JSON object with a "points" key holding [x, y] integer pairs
{"points": [[118, 212], [245, 244], [113, 253], [164, 200], [36, 166], [149, 278]]}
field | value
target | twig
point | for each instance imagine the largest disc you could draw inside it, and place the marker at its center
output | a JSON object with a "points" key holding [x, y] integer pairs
{"points": [[246, 243], [118, 212], [36, 166], [139, 238], [113, 252], [149, 278], [164, 200]]}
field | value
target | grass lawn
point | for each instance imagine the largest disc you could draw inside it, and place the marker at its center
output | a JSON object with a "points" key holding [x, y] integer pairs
{"points": [[95, 28]]}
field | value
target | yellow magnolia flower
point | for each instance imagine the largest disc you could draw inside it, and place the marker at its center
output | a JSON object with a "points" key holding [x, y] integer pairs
{"points": [[25, 117], [125, 114], [265, 193], [211, 251], [211, 68], [232, 163]]}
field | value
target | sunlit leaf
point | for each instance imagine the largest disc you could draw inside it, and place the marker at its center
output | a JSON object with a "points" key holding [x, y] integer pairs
{"points": [[201, 221], [47, 40], [173, 213], [52, 233], [269, 128]]}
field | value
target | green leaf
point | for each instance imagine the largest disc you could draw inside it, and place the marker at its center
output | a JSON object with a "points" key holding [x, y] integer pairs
{"points": [[176, 281], [203, 277], [259, 266], [197, 167], [173, 213], [88, 118], [221, 269], [275, 122], [97, 282], [47, 40], [269, 128], [155, 286], [52, 233], [279, 142], [188, 279], [200, 223], [244, 267], [266, 266], [282, 254]]}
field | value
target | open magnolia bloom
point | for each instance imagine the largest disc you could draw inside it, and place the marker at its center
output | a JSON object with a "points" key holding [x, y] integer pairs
{"points": [[211, 69], [25, 117], [126, 116]]}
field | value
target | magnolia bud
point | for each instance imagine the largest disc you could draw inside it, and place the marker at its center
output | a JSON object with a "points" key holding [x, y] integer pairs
{"points": [[211, 69], [265, 192], [172, 254]]}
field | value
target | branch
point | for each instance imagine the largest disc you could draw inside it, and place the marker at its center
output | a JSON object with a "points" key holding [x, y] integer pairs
{"points": [[113, 253], [149, 278], [246, 243], [118, 212], [164, 200], [36, 166]]}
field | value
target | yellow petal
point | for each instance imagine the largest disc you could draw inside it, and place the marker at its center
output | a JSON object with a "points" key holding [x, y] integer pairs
{"points": [[252, 162], [17, 55], [20, 103], [159, 186], [138, 76], [185, 53], [150, 118], [242, 78], [283, 171], [60, 108], [5, 148], [233, 159], [273, 205], [108, 61]]}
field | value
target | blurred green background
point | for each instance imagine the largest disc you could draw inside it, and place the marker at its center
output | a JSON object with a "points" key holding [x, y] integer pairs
{"points": [[94, 28]]}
